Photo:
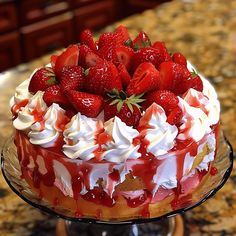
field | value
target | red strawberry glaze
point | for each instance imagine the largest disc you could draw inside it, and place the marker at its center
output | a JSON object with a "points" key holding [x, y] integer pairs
{"points": [[15, 108], [135, 202], [213, 171]]}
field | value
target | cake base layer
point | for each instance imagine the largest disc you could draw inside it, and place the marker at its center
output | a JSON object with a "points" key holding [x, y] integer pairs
{"points": [[76, 186]]}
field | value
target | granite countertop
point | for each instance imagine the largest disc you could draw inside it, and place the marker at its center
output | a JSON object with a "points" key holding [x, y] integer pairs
{"points": [[202, 30]]}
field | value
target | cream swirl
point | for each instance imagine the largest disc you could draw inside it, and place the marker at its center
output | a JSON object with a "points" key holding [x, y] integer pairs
{"points": [[26, 116], [157, 131], [195, 122], [213, 106], [209, 105], [45, 133], [79, 136], [121, 147], [21, 93]]}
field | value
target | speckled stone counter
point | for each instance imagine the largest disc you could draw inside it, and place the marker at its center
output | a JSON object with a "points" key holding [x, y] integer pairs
{"points": [[205, 32]]}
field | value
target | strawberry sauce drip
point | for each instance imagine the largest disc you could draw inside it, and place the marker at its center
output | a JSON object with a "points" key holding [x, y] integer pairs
{"points": [[213, 171], [114, 175], [38, 113], [15, 108], [99, 196], [135, 202], [145, 211]]}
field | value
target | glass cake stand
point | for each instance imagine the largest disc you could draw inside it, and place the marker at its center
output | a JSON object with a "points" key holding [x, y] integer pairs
{"points": [[167, 223]]}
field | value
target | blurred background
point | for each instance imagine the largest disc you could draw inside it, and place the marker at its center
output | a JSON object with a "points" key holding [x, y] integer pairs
{"points": [[32, 28]]}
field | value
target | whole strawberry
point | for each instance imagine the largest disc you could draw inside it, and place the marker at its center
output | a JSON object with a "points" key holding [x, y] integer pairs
{"points": [[196, 82], [165, 98], [86, 37], [179, 58], [42, 79], [102, 78], [162, 48], [168, 101], [148, 54], [122, 35], [126, 108], [174, 77], [87, 104], [72, 78], [54, 94], [141, 41]]}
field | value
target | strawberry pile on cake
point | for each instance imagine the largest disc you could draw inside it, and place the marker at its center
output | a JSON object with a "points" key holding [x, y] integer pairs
{"points": [[116, 129]]}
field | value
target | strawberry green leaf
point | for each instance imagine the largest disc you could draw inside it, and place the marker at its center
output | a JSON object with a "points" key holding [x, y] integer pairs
{"points": [[51, 81], [194, 73], [145, 43], [86, 72], [49, 69], [115, 101], [128, 42], [119, 105], [136, 47], [130, 106]]}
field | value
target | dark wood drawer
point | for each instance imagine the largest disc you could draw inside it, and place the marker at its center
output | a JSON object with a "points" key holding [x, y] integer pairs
{"points": [[9, 50], [78, 3], [8, 17], [41, 38], [32, 11], [94, 16]]}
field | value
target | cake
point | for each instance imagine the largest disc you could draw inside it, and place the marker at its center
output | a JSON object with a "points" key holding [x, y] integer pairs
{"points": [[116, 129]]}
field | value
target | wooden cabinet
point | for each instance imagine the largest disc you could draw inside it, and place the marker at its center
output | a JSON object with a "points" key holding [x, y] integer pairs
{"points": [[32, 11], [8, 17], [32, 28], [79, 3], [46, 36], [94, 16], [9, 50]]}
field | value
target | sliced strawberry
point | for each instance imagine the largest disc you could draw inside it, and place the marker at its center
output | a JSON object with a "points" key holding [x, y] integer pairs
{"points": [[148, 54], [141, 41], [87, 58], [85, 103], [125, 55], [179, 58], [166, 99], [145, 78], [162, 48], [102, 78], [124, 75], [54, 94], [53, 61], [71, 78], [174, 77], [42, 79], [86, 37], [175, 116], [122, 34], [69, 57], [126, 108]]}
